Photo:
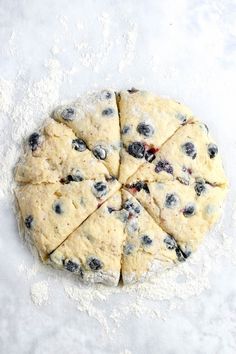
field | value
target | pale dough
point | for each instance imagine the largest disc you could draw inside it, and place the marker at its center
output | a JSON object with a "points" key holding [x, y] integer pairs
{"points": [[93, 250], [147, 121], [186, 212], [187, 154], [50, 212], [120, 184], [94, 118]]}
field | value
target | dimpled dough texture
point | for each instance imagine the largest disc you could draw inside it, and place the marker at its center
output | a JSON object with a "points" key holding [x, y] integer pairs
{"points": [[119, 185]]}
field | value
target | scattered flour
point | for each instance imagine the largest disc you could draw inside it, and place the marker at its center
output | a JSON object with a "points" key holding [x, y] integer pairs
{"points": [[6, 92], [39, 293]]}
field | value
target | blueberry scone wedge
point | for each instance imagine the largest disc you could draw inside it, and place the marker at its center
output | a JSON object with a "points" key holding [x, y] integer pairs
{"points": [[187, 212], [50, 212], [147, 249], [146, 122], [94, 119], [189, 153], [55, 154], [93, 250]]}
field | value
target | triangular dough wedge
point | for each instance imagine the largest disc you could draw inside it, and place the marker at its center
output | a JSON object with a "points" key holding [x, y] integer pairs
{"points": [[189, 153], [94, 118], [147, 121], [148, 249], [55, 154], [187, 212], [50, 212], [93, 251]]}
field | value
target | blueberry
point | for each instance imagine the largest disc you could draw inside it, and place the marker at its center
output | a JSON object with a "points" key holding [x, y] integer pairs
{"points": [[110, 210], [182, 255], [33, 141], [94, 263], [200, 187], [108, 112], [133, 90], [189, 149], [125, 129], [170, 242], [136, 149], [181, 117], [99, 152], [189, 210], [171, 200], [75, 177], [128, 249], [163, 165], [139, 186], [79, 145], [145, 129], [57, 207], [106, 95], [71, 266], [68, 113], [212, 150], [132, 207], [99, 189], [146, 240], [150, 154], [29, 221]]}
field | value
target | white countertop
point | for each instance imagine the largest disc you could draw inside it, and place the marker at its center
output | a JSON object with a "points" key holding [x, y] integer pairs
{"points": [[56, 50]]}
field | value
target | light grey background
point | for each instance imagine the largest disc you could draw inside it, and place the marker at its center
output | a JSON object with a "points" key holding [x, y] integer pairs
{"points": [[185, 49]]}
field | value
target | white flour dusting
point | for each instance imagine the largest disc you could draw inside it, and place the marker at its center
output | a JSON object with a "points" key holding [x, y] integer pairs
{"points": [[39, 293], [35, 100]]}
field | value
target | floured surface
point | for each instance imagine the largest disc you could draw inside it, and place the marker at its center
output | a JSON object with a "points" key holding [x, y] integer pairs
{"points": [[46, 58]]}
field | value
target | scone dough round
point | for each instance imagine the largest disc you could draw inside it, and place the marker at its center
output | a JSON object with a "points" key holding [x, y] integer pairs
{"points": [[119, 185]]}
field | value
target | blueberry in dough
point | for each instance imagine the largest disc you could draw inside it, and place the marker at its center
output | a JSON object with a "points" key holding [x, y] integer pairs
{"points": [[99, 152], [110, 210], [57, 207], [189, 210], [99, 189], [133, 90], [125, 129], [76, 176], [71, 266], [212, 150], [94, 263], [136, 149], [146, 240], [171, 200], [181, 117], [108, 112], [68, 113], [29, 221], [33, 141], [139, 186], [150, 154], [106, 94], [132, 207], [79, 145], [182, 255], [163, 165], [200, 187], [128, 249], [145, 129], [170, 242], [189, 149]]}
